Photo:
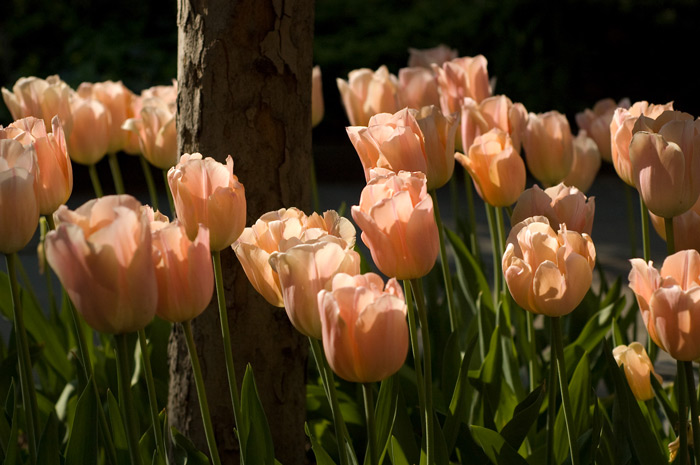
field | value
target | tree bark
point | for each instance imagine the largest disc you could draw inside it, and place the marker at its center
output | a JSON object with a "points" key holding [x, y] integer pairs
{"points": [[244, 77]]}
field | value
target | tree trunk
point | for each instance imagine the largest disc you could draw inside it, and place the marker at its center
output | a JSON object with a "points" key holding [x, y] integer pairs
{"points": [[244, 77]]}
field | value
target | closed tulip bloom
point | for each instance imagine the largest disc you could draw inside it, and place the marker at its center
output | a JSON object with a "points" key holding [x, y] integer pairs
{"points": [[621, 126], [55, 175], [549, 147], [460, 78], [560, 204], [670, 302], [496, 168], [397, 222], [19, 205], [418, 87], [255, 245], [493, 112], [665, 158], [183, 270], [316, 96], [586, 164], [101, 253], [89, 140], [547, 272], [207, 192], [685, 228], [168, 94], [117, 100], [156, 130], [367, 93], [365, 335], [41, 98], [427, 56], [638, 369], [596, 123], [306, 267]]}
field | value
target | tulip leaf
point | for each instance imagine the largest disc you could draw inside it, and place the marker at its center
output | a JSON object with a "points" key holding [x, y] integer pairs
{"points": [[254, 433], [524, 416], [496, 447], [10, 444], [82, 443], [118, 432], [579, 390], [322, 457], [184, 451], [403, 433], [469, 273], [396, 454], [48, 451], [461, 395], [385, 413]]}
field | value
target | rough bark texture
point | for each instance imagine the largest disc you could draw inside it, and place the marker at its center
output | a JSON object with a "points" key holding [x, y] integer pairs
{"points": [[244, 76]]}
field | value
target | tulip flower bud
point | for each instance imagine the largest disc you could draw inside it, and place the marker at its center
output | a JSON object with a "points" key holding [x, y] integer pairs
{"points": [[586, 163], [685, 228], [117, 100], [494, 112], [596, 123], [41, 98], [156, 131], [418, 88], [460, 78], [560, 204], [367, 93], [549, 149], [89, 139], [316, 96], [638, 369]]}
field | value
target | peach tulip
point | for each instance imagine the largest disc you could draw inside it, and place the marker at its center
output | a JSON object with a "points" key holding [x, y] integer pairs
{"points": [[685, 228], [418, 88], [586, 163], [55, 176], [670, 302], [460, 78], [549, 147], [621, 134], [272, 231], [496, 168], [19, 191], [397, 222], [207, 192], [665, 159], [427, 56], [316, 96], [101, 253], [596, 123], [547, 272], [306, 267], [89, 140], [117, 99], [156, 130], [560, 204], [365, 335], [493, 112], [168, 94], [367, 93], [409, 140], [41, 98], [638, 369]]}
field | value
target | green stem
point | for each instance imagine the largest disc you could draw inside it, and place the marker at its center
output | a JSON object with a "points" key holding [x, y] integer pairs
{"points": [[116, 173], [631, 227], [551, 409], [493, 229], [415, 347], [95, 179], [670, 238], [531, 367], [500, 228], [682, 413], [692, 400], [26, 377], [171, 202], [152, 399], [417, 287], [201, 394], [564, 386], [646, 240], [471, 216], [446, 275], [314, 187], [454, 197], [152, 192], [368, 396], [125, 400]]}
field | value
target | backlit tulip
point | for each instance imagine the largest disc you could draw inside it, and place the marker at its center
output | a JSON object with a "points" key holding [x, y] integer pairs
{"points": [[549, 147], [547, 272], [496, 168], [365, 335], [307, 267], [41, 98], [397, 222], [89, 140], [117, 100], [207, 192], [560, 204], [409, 140], [494, 112], [638, 369], [156, 131], [460, 78], [418, 88], [596, 123], [168, 94], [427, 56], [273, 230], [367, 93], [316, 96], [670, 302], [19, 205], [586, 163], [685, 228], [101, 253]]}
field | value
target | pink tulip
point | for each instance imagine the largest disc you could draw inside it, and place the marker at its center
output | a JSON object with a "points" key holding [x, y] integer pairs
{"points": [[156, 130], [365, 335], [559, 204], [685, 228], [367, 93], [89, 140], [418, 88], [101, 253], [493, 112], [397, 222], [549, 148], [460, 78], [586, 163], [316, 96], [638, 369], [427, 56], [670, 302], [168, 94], [117, 99], [596, 123], [207, 192]]}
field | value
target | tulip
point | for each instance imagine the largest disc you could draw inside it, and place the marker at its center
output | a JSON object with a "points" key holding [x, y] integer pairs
{"points": [[117, 100], [157, 133], [621, 134], [547, 272], [586, 162], [409, 140], [560, 204], [101, 253], [397, 222], [19, 191], [89, 140], [41, 98], [316, 96], [460, 78], [367, 93], [427, 56], [55, 176], [549, 148], [665, 159], [304, 269], [168, 94], [638, 369], [685, 228], [496, 168], [418, 87], [207, 192], [670, 302], [596, 123], [493, 112], [365, 335]]}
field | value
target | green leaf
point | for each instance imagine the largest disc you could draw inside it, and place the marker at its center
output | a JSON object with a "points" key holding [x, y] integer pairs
{"points": [[469, 273], [496, 447], [322, 457], [185, 452], [579, 390], [385, 413], [48, 452], [82, 443], [118, 432], [461, 396], [396, 453], [524, 416], [255, 436], [11, 448]]}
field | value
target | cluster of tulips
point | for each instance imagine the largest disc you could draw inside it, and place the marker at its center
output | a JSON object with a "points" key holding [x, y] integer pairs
{"points": [[121, 263]]}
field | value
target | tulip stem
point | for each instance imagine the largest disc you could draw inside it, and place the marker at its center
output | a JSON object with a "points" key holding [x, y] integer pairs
{"points": [[26, 377], [368, 396], [446, 275], [116, 173], [417, 286], [152, 399], [682, 413], [314, 187], [646, 242], [201, 394], [670, 238], [152, 192], [564, 386], [692, 400], [171, 202], [415, 347], [125, 400], [471, 216], [495, 248], [532, 343], [631, 227], [226, 336], [551, 408], [95, 179]]}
